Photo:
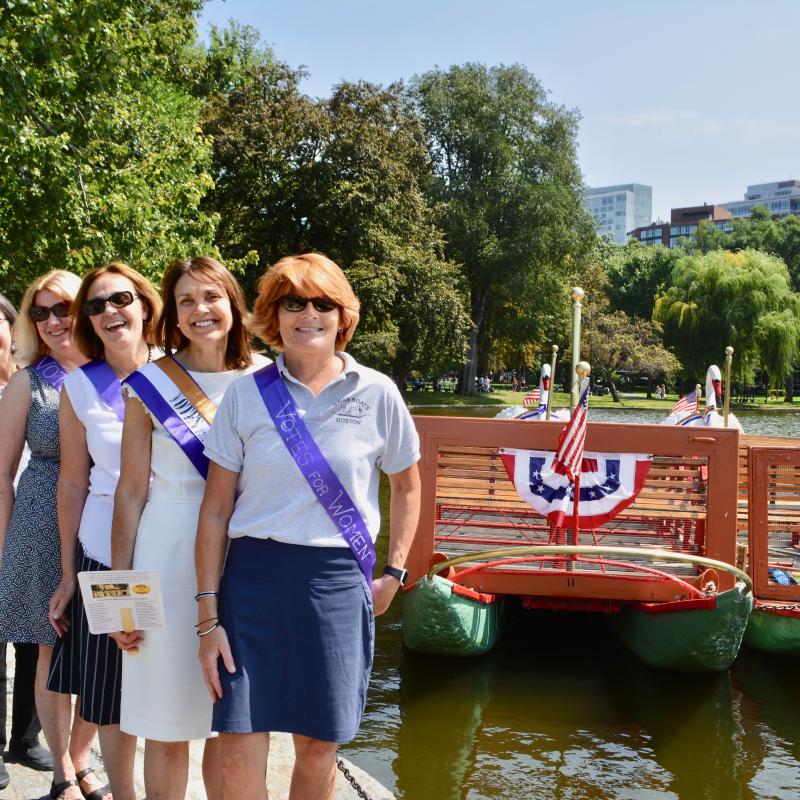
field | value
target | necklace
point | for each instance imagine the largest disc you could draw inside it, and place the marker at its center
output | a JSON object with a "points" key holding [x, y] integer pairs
{"points": [[149, 353]]}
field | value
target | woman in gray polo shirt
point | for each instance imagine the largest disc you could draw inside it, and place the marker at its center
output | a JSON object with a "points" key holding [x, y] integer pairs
{"points": [[287, 627]]}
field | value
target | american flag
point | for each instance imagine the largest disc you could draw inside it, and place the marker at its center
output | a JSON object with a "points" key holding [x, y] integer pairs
{"points": [[688, 403], [532, 399], [570, 444]]}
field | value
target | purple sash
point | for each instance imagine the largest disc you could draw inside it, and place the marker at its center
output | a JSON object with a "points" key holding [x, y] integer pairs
{"points": [[315, 468], [107, 384], [184, 436], [50, 371]]}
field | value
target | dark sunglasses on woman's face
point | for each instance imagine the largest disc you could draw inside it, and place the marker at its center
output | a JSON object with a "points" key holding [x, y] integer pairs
{"points": [[42, 313], [295, 303], [97, 305]]}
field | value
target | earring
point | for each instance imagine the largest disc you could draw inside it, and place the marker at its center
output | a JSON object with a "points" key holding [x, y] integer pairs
{"points": [[340, 329]]}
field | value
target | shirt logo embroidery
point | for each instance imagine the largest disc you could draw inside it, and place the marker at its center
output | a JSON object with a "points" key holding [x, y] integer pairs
{"points": [[351, 410]]}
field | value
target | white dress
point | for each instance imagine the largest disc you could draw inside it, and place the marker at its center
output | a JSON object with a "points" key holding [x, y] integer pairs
{"points": [[163, 693]]}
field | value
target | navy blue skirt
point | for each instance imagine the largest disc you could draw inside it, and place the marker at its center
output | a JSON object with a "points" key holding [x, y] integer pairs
{"points": [[301, 629]]}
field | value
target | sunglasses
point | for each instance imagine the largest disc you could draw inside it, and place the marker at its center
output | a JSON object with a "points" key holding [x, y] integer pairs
{"points": [[295, 303], [42, 313], [97, 305]]}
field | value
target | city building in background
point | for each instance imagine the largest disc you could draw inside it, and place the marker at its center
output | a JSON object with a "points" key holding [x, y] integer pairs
{"points": [[682, 225], [683, 221], [780, 197], [656, 233], [619, 209]]}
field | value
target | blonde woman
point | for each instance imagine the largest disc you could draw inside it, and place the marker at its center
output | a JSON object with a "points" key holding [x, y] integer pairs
{"points": [[114, 315], [31, 564]]}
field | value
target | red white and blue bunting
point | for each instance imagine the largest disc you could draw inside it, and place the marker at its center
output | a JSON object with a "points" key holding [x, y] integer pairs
{"points": [[609, 483]]}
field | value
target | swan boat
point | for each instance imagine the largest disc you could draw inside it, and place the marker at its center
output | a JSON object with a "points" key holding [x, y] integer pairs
{"points": [[774, 624], [660, 560]]}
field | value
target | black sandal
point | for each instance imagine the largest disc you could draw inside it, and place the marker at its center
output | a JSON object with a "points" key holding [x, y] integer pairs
{"points": [[57, 789], [95, 794]]}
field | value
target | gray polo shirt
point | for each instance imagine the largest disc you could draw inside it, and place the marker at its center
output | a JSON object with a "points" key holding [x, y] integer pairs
{"points": [[361, 425]]}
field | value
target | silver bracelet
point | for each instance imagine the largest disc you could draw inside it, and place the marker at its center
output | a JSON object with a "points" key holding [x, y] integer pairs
{"points": [[205, 633], [206, 594]]}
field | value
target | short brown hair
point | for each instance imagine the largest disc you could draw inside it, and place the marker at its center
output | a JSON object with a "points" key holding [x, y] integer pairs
{"points": [[309, 275], [88, 342], [238, 353], [29, 344]]}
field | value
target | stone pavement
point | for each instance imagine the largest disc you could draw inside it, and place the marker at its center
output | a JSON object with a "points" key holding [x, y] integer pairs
{"points": [[28, 784]]}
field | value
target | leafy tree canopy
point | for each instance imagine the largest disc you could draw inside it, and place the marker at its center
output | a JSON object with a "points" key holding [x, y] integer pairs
{"points": [[779, 237], [743, 299], [100, 152], [342, 176], [508, 191]]}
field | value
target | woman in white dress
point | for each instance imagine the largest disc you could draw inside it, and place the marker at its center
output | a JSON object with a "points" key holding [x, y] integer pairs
{"points": [[113, 316], [201, 329]]}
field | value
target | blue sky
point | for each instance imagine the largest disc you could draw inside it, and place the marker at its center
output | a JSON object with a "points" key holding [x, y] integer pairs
{"points": [[697, 99]]}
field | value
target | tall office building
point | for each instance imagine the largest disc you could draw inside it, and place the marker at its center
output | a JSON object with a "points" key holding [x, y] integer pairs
{"points": [[619, 209], [780, 197]]}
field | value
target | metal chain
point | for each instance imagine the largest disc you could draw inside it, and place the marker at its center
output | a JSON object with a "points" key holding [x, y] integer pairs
{"points": [[778, 606], [351, 780]]}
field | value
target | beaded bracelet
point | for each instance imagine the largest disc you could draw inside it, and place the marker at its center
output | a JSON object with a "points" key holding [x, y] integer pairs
{"points": [[206, 594], [205, 633], [206, 620]]}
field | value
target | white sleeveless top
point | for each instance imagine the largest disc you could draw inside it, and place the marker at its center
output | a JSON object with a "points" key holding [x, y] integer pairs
{"points": [[173, 477]]}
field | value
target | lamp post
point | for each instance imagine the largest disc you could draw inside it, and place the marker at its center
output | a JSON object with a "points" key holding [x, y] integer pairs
{"points": [[577, 295]]}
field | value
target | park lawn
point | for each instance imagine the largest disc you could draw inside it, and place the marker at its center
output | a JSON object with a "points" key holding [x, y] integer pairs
{"points": [[505, 397]]}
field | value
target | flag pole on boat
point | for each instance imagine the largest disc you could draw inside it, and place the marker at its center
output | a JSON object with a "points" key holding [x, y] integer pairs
{"points": [[577, 295], [727, 404], [552, 379], [582, 371]]}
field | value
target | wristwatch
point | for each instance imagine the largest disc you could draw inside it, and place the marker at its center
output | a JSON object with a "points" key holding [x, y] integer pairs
{"points": [[395, 572]]}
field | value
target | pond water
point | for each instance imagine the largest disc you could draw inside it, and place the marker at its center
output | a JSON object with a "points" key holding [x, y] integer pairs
{"points": [[559, 710]]}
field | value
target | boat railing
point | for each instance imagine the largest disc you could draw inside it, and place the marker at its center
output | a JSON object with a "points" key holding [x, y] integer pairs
{"points": [[688, 505], [773, 530]]}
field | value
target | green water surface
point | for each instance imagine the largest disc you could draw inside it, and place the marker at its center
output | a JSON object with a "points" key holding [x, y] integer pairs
{"points": [[559, 710]]}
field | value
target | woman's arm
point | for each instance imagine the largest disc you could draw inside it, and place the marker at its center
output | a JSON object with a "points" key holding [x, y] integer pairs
{"points": [[211, 545], [73, 487], [131, 496], [134, 482], [14, 408], [403, 518]]}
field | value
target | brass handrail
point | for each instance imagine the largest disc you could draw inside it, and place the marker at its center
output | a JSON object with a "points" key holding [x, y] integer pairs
{"points": [[582, 550]]}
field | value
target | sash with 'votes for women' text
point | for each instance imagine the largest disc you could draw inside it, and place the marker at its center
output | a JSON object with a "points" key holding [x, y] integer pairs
{"points": [[314, 467], [107, 385], [50, 371], [179, 404]]}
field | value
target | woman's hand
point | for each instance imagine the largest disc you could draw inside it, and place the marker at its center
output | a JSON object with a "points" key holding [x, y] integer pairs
{"points": [[128, 642], [383, 591], [215, 646], [58, 605]]}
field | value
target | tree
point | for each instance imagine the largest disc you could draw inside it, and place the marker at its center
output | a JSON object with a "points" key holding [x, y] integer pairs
{"points": [[100, 154], [506, 185], [637, 274], [341, 176], [612, 341], [743, 299]]}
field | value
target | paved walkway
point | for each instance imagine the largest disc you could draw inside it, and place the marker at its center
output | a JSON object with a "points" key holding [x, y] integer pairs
{"points": [[28, 784]]}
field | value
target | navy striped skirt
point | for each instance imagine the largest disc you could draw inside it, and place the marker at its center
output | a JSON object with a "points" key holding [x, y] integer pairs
{"points": [[301, 629], [87, 664]]}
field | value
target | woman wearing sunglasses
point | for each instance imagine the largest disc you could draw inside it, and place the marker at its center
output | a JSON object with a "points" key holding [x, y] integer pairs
{"points": [[167, 415], [286, 628], [31, 563], [114, 314]]}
